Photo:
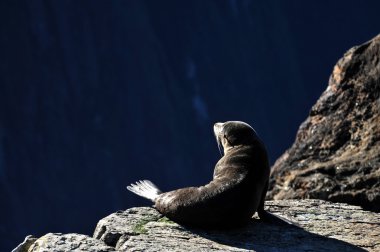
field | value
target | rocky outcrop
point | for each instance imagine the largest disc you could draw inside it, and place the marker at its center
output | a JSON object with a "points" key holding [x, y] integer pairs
{"points": [[336, 154], [318, 226], [57, 242]]}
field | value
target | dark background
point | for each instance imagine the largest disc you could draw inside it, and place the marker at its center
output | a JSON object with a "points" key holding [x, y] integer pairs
{"points": [[97, 94]]}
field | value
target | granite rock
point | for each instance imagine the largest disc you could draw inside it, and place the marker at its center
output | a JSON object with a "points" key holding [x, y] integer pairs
{"points": [[336, 153], [57, 242], [318, 226], [25, 245]]}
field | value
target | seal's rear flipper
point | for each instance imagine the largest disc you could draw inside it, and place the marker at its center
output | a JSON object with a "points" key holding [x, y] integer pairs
{"points": [[146, 189], [274, 219]]}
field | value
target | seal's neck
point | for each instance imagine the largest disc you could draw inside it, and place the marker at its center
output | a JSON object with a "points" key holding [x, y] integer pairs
{"points": [[232, 149]]}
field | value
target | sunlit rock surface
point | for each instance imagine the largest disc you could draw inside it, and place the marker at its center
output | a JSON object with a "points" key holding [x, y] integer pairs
{"points": [[318, 226]]}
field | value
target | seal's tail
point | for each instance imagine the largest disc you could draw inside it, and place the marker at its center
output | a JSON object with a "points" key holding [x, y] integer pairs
{"points": [[146, 189]]}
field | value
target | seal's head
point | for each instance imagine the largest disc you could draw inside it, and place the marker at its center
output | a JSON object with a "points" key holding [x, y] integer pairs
{"points": [[234, 133]]}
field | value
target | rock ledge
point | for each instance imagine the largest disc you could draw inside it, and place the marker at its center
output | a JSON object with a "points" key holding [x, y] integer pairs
{"points": [[321, 226]]}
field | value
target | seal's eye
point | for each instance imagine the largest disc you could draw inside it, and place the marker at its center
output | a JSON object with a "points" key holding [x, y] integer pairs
{"points": [[228, 141]]}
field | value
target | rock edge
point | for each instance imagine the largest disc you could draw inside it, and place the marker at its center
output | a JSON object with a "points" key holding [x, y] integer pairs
{"points": [[321, 226]]}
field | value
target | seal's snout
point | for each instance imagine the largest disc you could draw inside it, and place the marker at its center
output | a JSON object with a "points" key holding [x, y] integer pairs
{"points": [[218, 128]]}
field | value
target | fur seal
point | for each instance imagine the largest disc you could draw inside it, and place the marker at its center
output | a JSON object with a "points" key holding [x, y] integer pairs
{"points": [[236, 192]]}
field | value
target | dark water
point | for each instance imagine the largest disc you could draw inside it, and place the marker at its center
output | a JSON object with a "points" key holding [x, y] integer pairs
{"points": [[97, 94]]}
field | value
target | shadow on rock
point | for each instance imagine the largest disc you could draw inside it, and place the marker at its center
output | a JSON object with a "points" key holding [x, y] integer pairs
{"points": [[280, 236]]}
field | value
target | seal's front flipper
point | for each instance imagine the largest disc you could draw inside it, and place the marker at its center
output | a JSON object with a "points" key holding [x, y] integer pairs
{"points": [[271, 218], [146, 189]]}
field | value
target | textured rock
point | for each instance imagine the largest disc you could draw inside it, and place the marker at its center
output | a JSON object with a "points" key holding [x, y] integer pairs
{"points": [[323, 226], [68, 242], [25, 245], [336, 154], [116, 228], [318, 226]]}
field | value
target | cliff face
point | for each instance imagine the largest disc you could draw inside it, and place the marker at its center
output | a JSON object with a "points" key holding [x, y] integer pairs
{"points": [[336, 154], [318, 226]]}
